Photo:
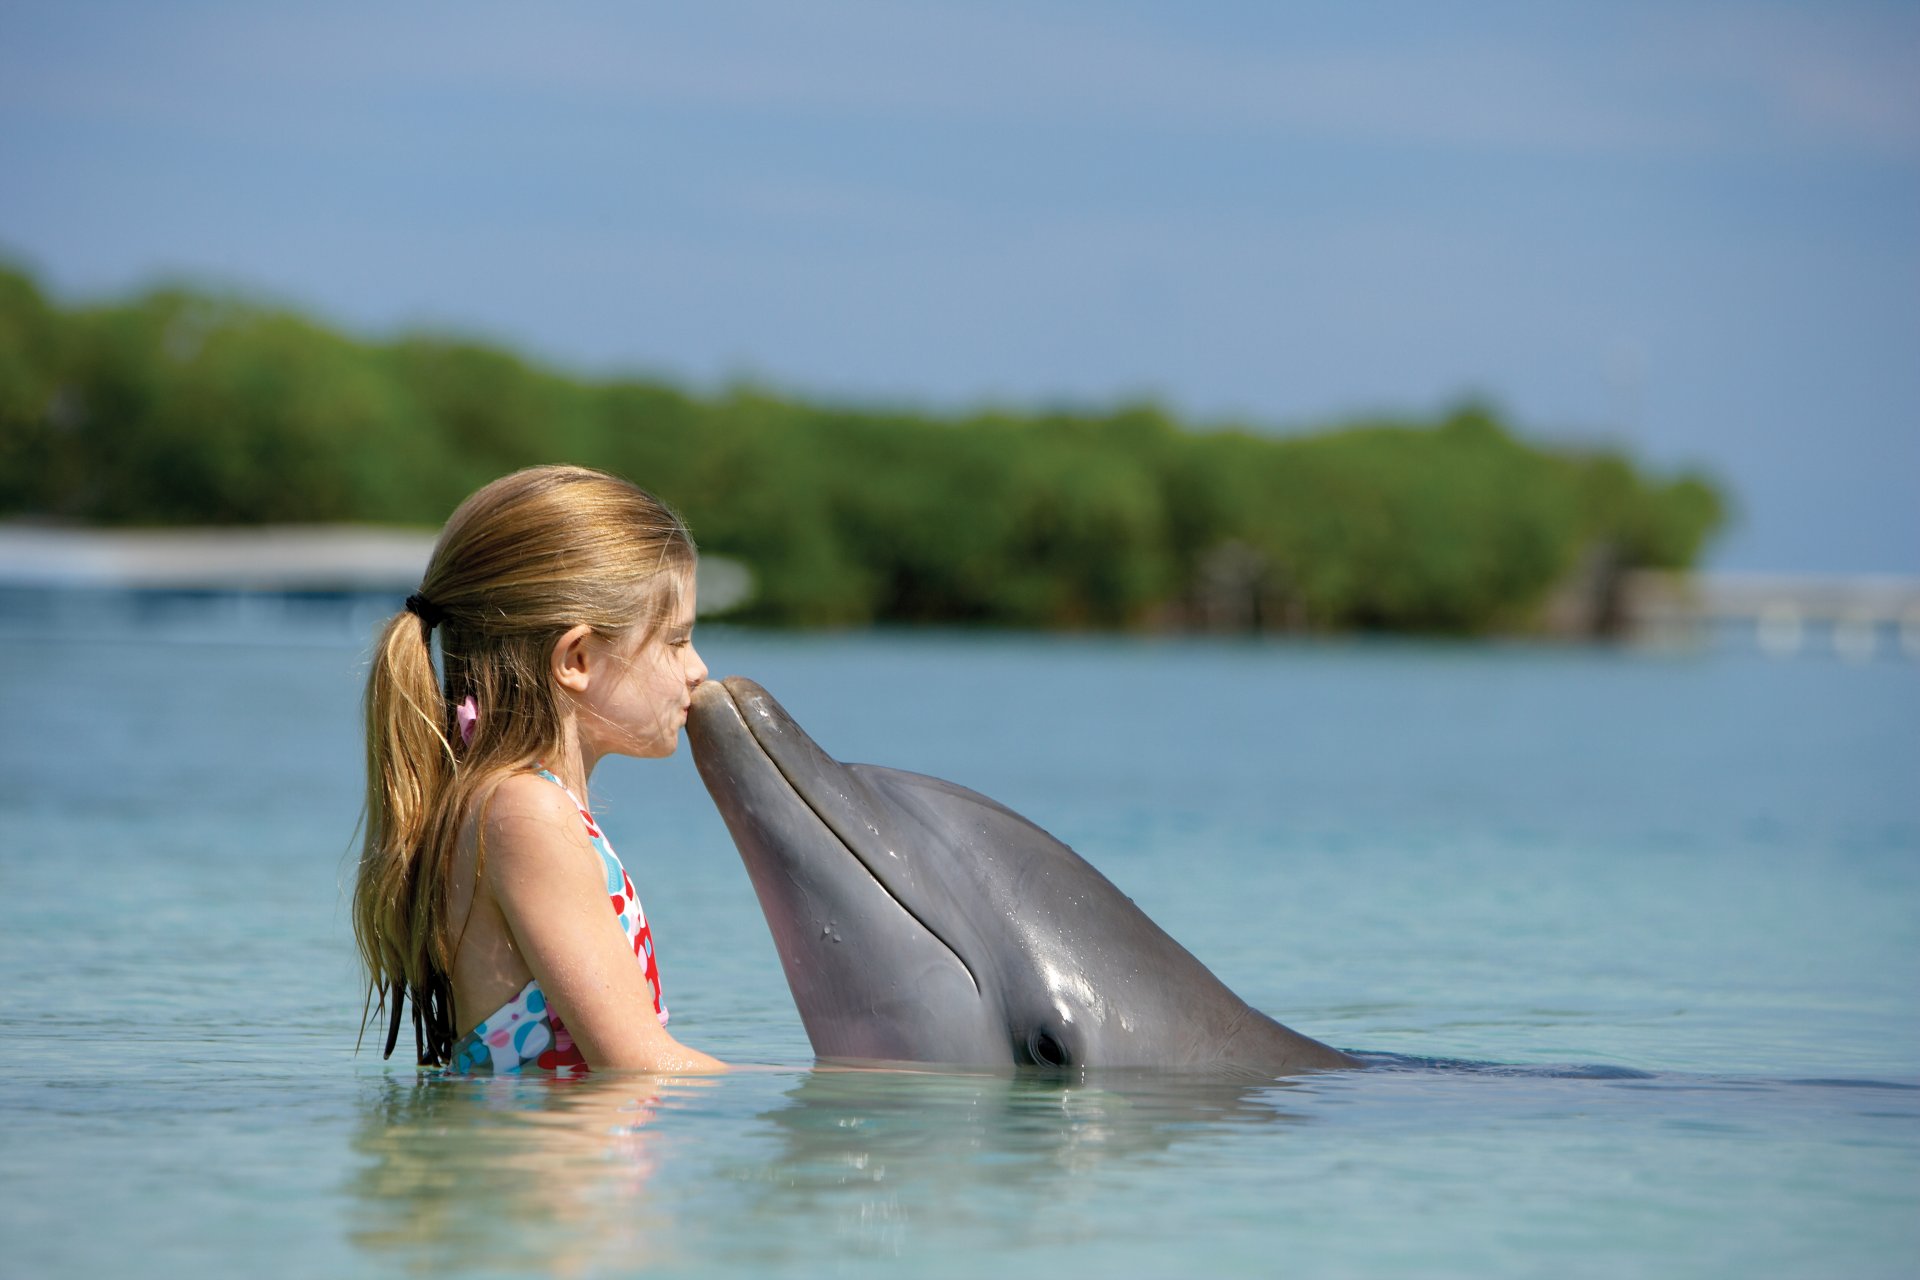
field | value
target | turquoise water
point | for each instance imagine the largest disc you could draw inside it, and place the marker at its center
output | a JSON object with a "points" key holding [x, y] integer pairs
{"points": [[1676, 896]]}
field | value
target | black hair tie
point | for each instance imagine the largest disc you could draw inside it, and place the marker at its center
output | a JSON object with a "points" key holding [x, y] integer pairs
{"points": [[430, 614]]}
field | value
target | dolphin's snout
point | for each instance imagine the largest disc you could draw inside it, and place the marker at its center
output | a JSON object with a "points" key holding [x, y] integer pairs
{"points": [[709, 694], [735, 715], [874, 977]]}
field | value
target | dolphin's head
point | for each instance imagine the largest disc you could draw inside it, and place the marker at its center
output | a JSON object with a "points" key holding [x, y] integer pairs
{"points": [[922, 922]]}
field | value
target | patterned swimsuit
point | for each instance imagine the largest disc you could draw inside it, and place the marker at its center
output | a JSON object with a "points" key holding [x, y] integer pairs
{"points": [[525, 1033]]}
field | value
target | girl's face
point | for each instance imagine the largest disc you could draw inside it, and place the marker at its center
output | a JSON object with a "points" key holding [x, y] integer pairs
{"points": [[636, 701]]}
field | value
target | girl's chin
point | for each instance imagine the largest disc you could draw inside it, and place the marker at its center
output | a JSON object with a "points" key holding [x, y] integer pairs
{"points": [[656, 750]]}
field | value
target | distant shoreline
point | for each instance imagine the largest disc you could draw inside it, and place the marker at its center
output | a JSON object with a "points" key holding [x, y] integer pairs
{"points": [[1856, 615], [270, 558]]}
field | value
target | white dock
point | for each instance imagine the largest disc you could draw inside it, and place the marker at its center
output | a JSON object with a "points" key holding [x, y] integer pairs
{"points": [[1853, 616], [280, 558]]}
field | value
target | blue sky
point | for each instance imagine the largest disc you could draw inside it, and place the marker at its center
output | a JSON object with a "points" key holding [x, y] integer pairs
{"points": [[1691, 227]]}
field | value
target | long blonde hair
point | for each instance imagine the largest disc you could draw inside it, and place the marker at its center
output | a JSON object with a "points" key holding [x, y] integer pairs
{"points": [[520, 563]]}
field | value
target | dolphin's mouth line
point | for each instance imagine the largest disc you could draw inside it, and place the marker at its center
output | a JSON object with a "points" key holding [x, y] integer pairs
{"points": [[858, 861]]}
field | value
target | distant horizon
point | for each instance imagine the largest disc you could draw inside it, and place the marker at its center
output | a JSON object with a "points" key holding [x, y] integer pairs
{"points": [[1683, 230]]}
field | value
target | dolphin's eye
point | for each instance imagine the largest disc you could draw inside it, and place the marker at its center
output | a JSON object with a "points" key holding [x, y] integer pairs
{"points": [[1044, 1050]]}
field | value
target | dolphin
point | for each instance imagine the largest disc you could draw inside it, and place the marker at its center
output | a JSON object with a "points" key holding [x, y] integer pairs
{"points": [[920, 922]]}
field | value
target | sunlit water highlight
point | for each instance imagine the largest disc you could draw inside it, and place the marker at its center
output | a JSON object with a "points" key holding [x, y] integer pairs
{"points": [[1676, 898]]}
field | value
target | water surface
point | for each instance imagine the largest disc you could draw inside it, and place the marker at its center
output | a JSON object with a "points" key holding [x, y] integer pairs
{"points": [[1674, 897]]}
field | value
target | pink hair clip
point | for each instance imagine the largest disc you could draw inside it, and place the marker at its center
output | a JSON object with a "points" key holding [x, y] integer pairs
{"points": [[467, 717]]}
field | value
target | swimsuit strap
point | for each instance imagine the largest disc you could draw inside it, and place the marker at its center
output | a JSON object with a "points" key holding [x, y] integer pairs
{"points": [[620, 893], [596, 836], [554, 778]]}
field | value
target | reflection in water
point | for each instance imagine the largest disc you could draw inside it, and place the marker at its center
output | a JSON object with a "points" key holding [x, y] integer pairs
{"points": [[531, 1172], [871, 1158], [593, 1175]]}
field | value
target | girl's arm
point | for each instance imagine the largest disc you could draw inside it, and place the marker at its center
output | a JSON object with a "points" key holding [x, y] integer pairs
{"points": [[548, 881]]}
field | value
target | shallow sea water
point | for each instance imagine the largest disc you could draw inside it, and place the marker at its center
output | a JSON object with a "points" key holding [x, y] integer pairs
{"points": [[1636, 936]]}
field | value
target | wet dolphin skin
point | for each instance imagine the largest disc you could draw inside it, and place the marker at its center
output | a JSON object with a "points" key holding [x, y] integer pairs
{"points": [[922, 922]]}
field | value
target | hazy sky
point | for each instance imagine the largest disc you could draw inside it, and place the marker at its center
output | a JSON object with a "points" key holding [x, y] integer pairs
{"points": [[1690, 226]]}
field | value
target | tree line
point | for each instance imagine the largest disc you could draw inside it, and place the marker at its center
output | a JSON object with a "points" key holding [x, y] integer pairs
{"points": [[180, 406]]}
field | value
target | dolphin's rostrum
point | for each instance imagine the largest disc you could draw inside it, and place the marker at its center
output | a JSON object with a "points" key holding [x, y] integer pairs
{"points": [[922, 922]]}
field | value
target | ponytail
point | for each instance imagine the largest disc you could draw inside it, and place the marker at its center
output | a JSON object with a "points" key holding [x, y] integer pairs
{"points": [[409, 764]]}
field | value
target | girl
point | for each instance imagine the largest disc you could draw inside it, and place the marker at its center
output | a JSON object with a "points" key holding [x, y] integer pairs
{"points": [[563, 599]]}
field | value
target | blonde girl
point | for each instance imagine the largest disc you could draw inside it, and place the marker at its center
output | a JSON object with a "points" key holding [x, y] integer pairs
{"points": [[487, 896]]}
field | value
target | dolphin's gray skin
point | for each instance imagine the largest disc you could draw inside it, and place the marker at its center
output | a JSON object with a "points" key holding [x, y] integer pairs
{"points": [[922, 922]]}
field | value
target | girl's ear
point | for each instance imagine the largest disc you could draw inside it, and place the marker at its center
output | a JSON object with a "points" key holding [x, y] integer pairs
{"points": [[571, 660]]}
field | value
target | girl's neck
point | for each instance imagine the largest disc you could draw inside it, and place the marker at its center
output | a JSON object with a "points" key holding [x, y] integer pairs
{"points": [[570, 762]]}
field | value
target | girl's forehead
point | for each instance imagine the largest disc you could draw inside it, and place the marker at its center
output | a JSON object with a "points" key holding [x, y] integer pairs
{"points": [[683, 609], [679, 616]]}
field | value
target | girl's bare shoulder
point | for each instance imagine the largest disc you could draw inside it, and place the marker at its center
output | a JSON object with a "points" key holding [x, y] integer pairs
{"points": [[526, 817]]}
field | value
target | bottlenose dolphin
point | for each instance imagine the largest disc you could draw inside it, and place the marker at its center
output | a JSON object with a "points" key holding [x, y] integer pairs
{"points": [[919, 921]]}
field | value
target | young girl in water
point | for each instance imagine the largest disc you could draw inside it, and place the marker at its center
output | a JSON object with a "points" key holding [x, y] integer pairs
{"points": [[487, 895]]}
